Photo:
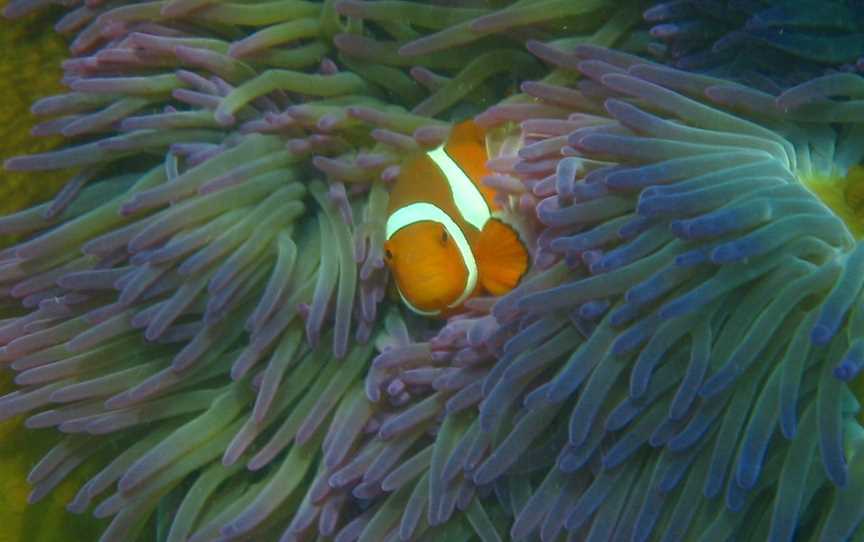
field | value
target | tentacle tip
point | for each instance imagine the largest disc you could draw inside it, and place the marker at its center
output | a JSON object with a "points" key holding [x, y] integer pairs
{"points": [[127, 483], [839, 474], [129, 208], [76, 508], [411, 49], [714, 386], [789, 426], [237, 49], [821, 335], [237, 373], [481, 477], [537, 47], [224, 118], [637, 390], [747, 476], [17, 163], [843, 372], [726, 254]]}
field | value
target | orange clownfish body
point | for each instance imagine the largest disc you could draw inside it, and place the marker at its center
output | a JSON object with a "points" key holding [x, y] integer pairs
{"points": [[444, 243]]}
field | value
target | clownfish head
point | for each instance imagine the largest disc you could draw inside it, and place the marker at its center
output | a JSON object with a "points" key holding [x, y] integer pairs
{"points": [[430, 259]]}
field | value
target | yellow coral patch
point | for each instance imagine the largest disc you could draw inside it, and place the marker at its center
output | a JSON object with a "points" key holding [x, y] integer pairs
{"points": [[854, 191], [843, 194]]}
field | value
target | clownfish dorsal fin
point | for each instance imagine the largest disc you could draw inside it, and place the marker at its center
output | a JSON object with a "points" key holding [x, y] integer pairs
{"points": [[501, 256]]}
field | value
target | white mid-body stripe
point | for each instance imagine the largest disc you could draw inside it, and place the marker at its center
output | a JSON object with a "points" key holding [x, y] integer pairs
{"points": [[469, 201], [421, 212]]}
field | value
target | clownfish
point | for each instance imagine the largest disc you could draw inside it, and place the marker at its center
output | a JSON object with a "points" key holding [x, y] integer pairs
{"points": [[445, 241]]}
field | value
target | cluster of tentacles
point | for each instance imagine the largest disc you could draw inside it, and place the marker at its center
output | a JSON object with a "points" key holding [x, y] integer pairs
{"points": [[679, 370], [199, 301], [771, 43], [203, 299]]}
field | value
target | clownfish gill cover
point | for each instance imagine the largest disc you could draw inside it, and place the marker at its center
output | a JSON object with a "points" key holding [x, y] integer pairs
{"points": [[404, 270]]}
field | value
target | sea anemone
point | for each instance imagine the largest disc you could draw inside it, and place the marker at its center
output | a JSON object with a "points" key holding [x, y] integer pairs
{"points": [[768, 43], [200, 299], [679, 363]]}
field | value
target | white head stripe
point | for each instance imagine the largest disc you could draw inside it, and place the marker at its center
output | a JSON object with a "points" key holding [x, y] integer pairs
{"points": [[422, 212], [466, 195]]}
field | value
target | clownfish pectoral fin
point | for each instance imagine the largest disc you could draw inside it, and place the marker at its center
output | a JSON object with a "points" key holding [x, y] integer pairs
{"points": [[502, 258]]}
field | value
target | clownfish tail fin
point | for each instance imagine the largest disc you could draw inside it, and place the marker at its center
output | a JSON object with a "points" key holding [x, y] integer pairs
{"points": [[502, 258]]}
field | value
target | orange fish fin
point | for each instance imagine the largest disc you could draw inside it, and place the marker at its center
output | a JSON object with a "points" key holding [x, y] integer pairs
{"points": [[502, 258]]}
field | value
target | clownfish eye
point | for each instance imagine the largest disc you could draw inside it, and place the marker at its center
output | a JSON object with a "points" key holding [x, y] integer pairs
{"points": [[444, 237], [388, 254]]}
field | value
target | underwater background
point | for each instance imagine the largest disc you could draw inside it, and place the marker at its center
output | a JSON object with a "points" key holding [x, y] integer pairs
{"points": [[681, 361]]}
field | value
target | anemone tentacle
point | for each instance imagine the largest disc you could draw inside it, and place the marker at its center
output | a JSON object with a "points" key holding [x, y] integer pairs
{"points": [[771, 44]]}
